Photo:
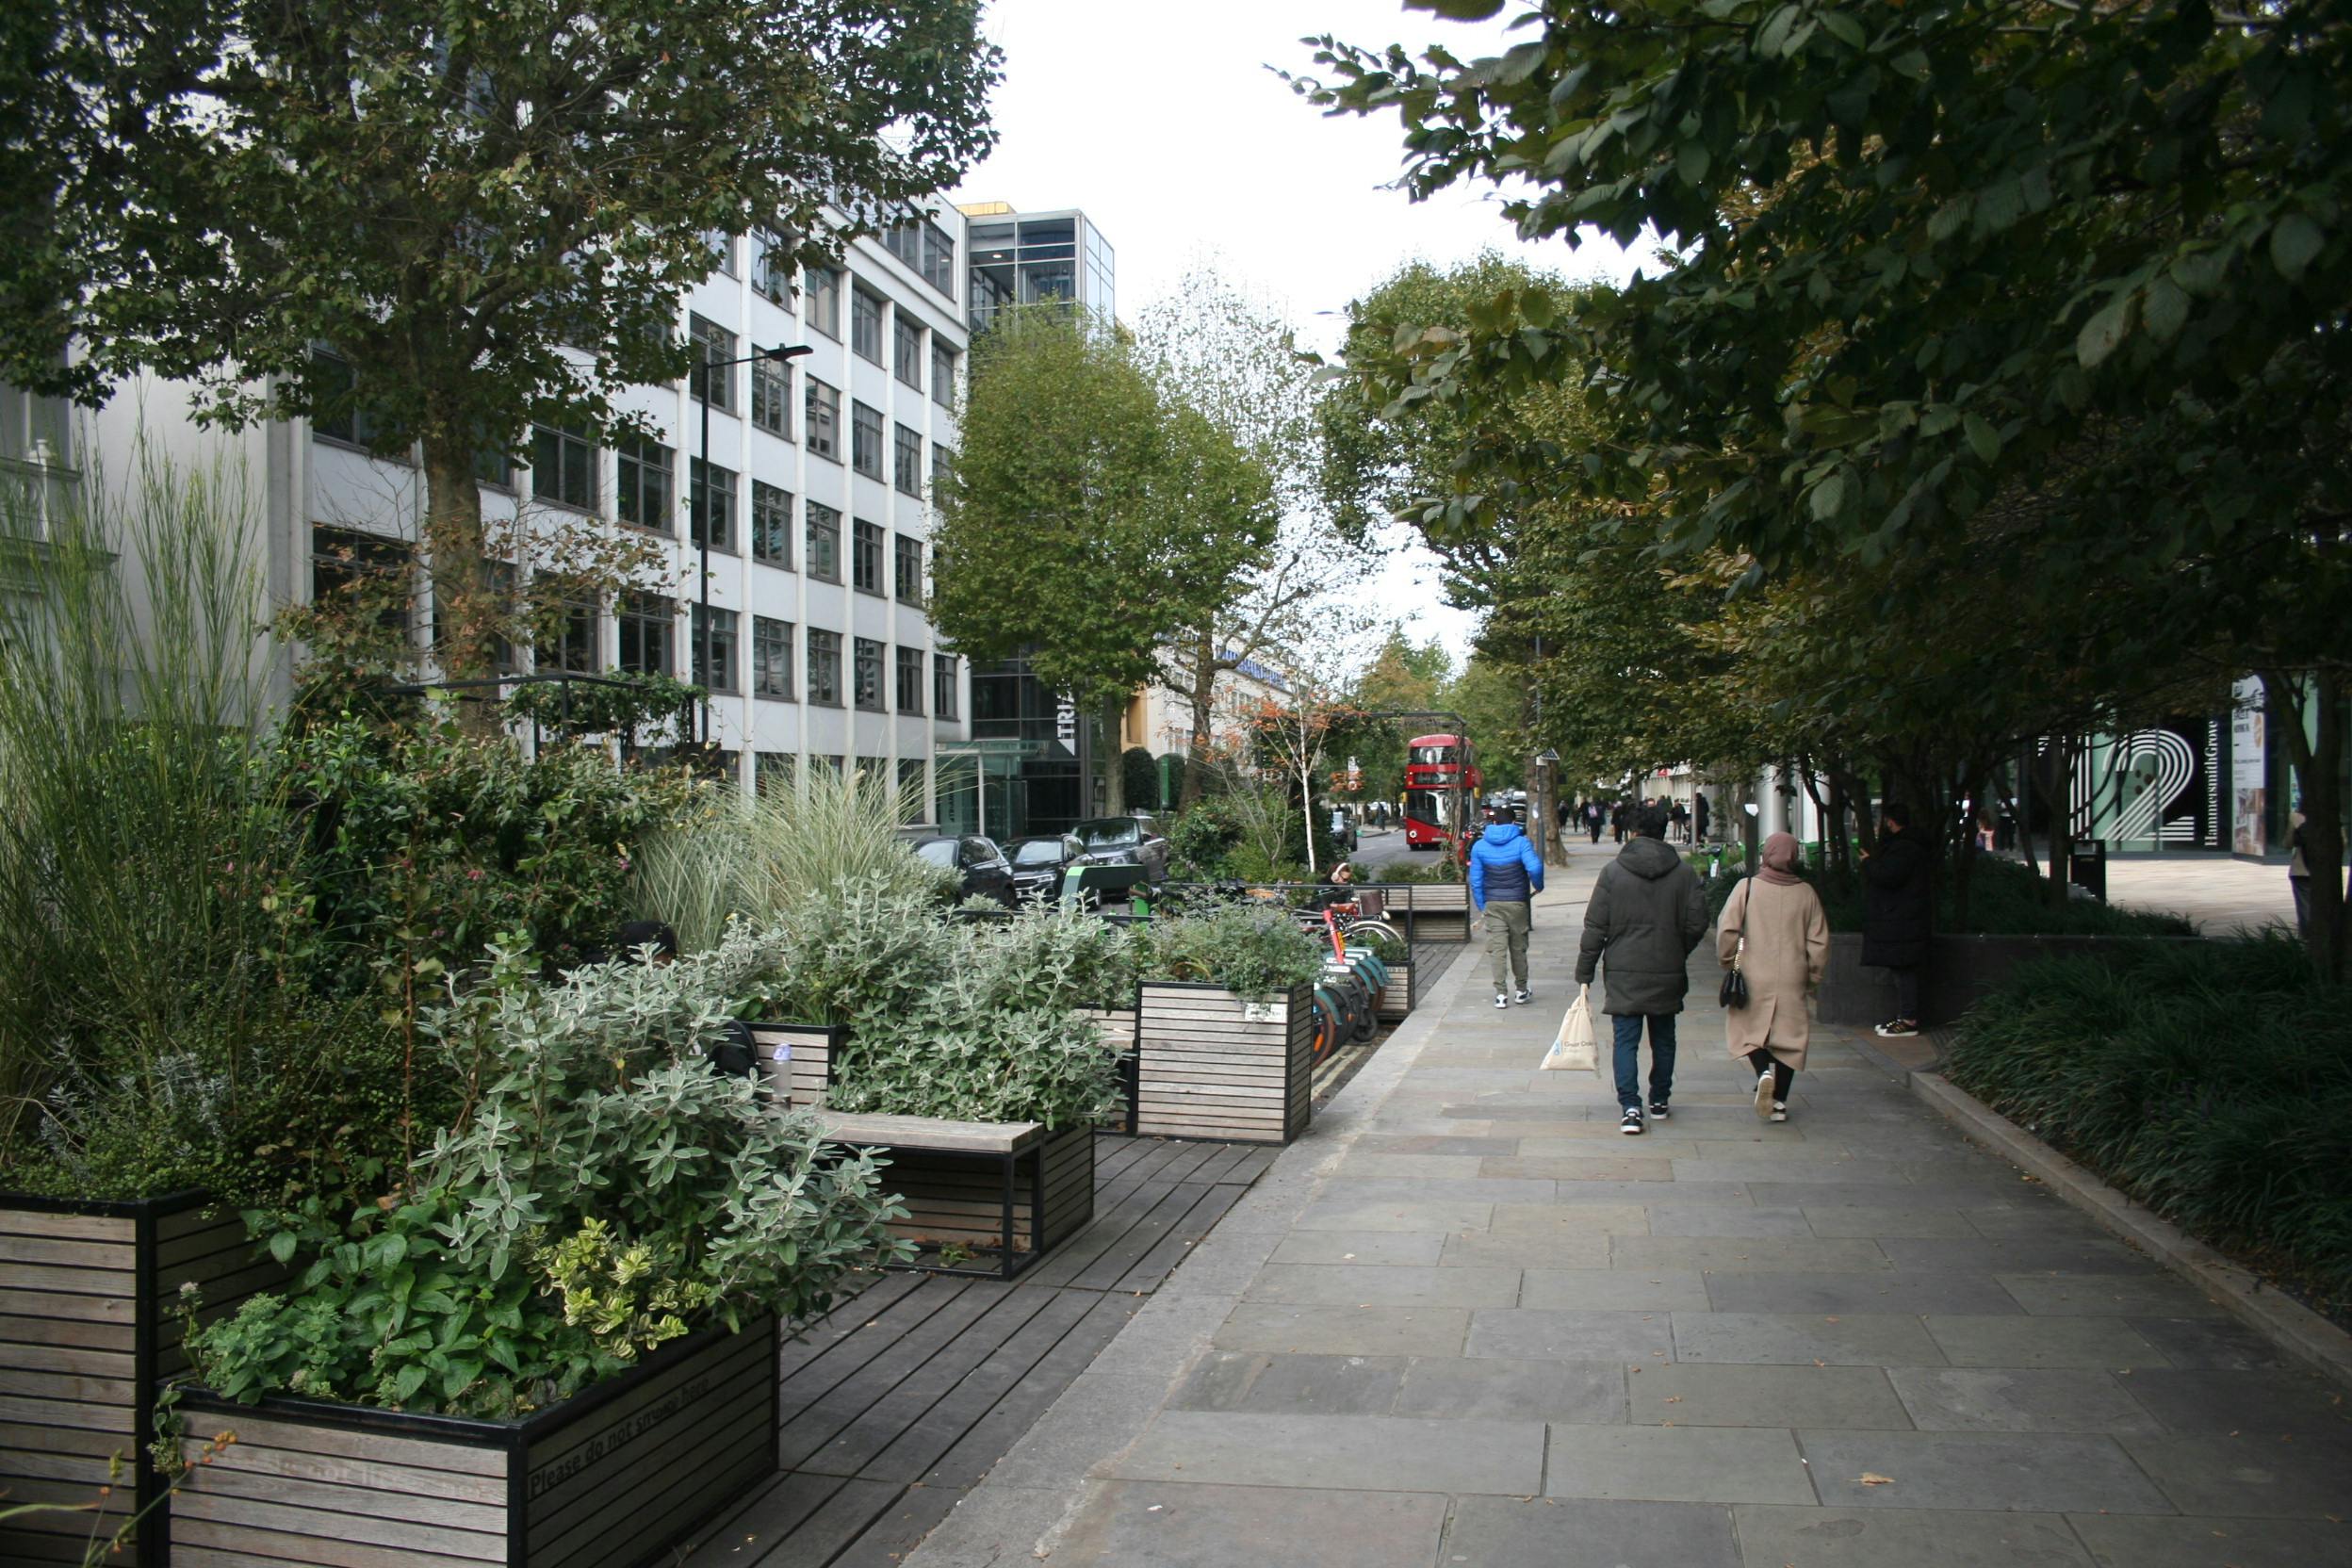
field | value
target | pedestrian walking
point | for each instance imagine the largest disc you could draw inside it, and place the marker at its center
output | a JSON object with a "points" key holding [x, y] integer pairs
{"points": [[1679, 815], [1645, 918], [1617, 816], [2299, 873], [1700, 813], [1774, 930], [1595, 818], [1504, 874], [1899, 913]]}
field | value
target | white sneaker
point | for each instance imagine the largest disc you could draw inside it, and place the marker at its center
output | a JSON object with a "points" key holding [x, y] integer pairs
{"points": [[1521, 997], [1780, 1110], [1501, 1001], [1764, 1101]]}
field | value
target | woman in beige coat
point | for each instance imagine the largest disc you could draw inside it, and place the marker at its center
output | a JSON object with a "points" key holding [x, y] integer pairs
{"points": [[1784, 949]]}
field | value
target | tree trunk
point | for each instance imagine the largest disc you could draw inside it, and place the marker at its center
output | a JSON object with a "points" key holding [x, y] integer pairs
{"points": [[2318, 758], [1203, 699], [465, 611], [1114, 757]]}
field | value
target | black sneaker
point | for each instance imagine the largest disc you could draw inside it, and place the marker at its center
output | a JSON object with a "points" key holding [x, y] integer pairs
{"points": [[1899, 1028], [1631, 1126], [1658, 1111]]}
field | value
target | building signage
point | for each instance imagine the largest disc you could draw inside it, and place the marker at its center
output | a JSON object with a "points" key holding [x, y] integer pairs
{"points": [[2248, 743]]}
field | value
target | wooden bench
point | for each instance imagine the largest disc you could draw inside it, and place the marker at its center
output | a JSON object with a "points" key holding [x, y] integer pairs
{"points": [[1014, 1186]]}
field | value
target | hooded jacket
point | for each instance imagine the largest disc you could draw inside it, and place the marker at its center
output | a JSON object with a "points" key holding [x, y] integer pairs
{"points": [[1897, 902], [1646, 916], [1503, 865]]}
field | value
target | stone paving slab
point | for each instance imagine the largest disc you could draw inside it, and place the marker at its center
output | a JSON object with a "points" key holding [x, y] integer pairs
{"points": [[1468, 1322]]}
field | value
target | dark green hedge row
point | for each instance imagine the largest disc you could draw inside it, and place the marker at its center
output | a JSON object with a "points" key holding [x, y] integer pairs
{"points": [[2212, 1082]]}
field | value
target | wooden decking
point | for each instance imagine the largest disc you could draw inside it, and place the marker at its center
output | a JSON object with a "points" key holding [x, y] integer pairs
{"points": [[900, 1401]]}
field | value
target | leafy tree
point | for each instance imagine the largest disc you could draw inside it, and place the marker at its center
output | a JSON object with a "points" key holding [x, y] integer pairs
{"points": [[450, 223], [1402, 677], [1233, 359], [1928, 259], [1135, 516]]}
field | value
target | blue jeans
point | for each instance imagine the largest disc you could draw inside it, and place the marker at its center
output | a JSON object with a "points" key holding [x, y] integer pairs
{"points": [[1628, 1027]]}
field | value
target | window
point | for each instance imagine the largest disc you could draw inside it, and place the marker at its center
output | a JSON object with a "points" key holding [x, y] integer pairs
{"points": [[906, 350], [722, 251], [865, 323], [944, 685], [942, 373], [907, 461], [365, 573], [823, 556], [942, 462], [492, 465], [914, 779], [563, 468], [711, 376], [771, 658], [833, 762], [335, 414], [569, 623], [907, 568], [645, 621], [825, 667], [28, 419], [865, 439], [712, 505], [926, 247], [772, 396], [865, 559], [714, 631], [645, 487], [771, 524], [869, 672], [910, 681], [772, 274], [772, 772], [822, 415], [823, 289]]}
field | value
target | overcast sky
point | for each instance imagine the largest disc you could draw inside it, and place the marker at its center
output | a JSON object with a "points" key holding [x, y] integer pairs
{"points": [[1163, 124]]}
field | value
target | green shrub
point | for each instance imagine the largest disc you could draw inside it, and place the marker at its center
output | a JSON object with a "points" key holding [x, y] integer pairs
{"points": [[2211, 1081], [1254, 951], [1434, 869], [603, 1190]]}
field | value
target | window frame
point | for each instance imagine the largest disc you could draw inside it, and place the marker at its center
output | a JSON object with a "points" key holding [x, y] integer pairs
{"points": [[630, 460], [866, 308], [908, 662], [944, 686], [777, 515], [818, 566], [907, 472], [711, 377], [822, 288], [865, 556], [862, 650], [726, 634], [944, 362], [770, 635], [821, 418], [702, 472], [771, 403], [565, 440], [821, 667], [906, 581], [908, 367], [634, 607], [866, 426]]}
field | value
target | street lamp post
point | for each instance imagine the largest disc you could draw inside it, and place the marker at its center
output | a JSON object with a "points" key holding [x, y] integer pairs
{"points": [[701, 514]]}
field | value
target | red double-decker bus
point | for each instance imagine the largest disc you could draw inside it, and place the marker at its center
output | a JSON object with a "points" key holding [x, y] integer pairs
{"points": [[1441, 788]]}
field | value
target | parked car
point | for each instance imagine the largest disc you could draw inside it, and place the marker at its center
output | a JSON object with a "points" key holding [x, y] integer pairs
{"points": [[1041, 863], [981, 866], [1124, 842]]}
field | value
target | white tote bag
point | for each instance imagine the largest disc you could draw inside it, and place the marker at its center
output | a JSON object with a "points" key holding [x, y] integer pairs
{"points": [[1572, 1048]]}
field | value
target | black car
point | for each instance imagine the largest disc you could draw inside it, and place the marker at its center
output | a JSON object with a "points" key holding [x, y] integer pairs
{"points": [[982, 867], [1124, 842], [1041, 863]]}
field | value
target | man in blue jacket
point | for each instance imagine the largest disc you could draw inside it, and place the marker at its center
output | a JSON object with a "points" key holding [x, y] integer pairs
{"points": [[1504, 873]]}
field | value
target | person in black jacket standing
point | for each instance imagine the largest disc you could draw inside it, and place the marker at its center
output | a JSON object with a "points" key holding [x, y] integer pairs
{"points": [[1899, 913]]}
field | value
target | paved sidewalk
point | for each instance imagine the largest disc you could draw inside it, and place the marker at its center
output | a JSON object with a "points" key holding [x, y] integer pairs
{"points": [[1465, 1321]]}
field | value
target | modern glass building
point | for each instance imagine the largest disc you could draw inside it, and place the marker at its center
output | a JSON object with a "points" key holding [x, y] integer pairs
{"points": [[1029, 259]]}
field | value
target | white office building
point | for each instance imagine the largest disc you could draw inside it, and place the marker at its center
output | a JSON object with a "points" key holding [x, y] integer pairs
{"points": [[816, 482]]}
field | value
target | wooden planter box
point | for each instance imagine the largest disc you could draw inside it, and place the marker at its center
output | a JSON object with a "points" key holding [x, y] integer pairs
{"points": [[1118, 1025], [1445, 905], [1960, 971], [1395, 998], [609, 1479], [1209, 1065], [953, 1201], [90, 1317], [797, 1059]]}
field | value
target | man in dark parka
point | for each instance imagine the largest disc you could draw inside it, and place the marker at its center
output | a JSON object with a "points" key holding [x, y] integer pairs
{"points": [[1899, 913], [1646, 915]]}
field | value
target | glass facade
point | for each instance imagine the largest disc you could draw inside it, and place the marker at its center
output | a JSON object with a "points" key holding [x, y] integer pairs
{"points": [[1040, 258]]}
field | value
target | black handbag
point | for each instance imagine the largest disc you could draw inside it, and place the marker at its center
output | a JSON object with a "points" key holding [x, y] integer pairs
{"points": [[1735, 992]]}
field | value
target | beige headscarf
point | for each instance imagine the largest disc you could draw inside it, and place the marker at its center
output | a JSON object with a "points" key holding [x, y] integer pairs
{"points": [[1780, 859]]}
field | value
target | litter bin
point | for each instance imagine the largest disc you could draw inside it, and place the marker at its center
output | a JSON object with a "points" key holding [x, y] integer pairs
{"points": [[2086, 868]]}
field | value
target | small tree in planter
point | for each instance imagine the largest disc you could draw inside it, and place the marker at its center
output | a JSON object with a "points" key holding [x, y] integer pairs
{"points": [[580, 1291], [1227, 1021]]}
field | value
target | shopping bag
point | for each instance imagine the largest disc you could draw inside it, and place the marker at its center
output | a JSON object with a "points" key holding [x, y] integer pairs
{"points": [[1572, 1048]]}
